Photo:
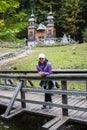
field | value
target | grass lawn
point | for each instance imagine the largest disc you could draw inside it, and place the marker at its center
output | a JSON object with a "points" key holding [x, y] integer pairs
{"points": [[61, 57], [4, 50]]}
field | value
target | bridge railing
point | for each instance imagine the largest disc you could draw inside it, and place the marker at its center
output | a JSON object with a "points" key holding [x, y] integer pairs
{"points": [[35, 71], [7, 82], [62, 77]]}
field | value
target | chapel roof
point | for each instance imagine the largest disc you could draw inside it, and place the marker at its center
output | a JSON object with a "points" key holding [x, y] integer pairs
{"points": [[41, 27]]}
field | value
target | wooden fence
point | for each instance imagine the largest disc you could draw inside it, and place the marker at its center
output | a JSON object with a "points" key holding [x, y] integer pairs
{"points": [[58, 75]]}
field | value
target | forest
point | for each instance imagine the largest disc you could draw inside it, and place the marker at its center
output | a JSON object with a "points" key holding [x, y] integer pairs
{"points": [[70, 17]]}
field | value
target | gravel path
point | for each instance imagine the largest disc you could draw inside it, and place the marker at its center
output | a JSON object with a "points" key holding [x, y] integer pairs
{"points": [[13, 55]]}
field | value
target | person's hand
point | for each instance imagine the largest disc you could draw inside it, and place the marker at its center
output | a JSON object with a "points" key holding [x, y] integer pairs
{"points": [[40, 73]]}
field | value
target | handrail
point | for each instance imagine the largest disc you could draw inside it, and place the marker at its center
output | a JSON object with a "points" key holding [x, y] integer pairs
{"points": [[54, 71], [53, 91], [51, 77]]}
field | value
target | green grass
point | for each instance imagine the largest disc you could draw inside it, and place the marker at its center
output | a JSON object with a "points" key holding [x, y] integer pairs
{"points": [[61, 57], [4, 50]]}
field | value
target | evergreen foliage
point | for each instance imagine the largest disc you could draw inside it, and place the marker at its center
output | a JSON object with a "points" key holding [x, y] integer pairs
{"points": [[70, 17], [85, 35]]}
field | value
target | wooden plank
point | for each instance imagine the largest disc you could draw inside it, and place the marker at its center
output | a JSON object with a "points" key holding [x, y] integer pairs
{"points": [[23, 104], [16, 112], [59, 124], [54, 71], [57, 91], [55, 111], [50, 123], [13, 99], [71, 101], [73, 77], [78, 113], [86, 88], [5, 104], [85, 116], [64, 98], [57, 99], [78, 103]]}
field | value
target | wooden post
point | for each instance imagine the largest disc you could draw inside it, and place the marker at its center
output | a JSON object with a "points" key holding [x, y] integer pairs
{"points": [[86, 88], [5, 83], [23, 104], [64, 98], [7, 112]]}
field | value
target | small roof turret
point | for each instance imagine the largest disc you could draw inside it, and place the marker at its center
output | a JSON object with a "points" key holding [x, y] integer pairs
{"points": [[50, 18], [32, 15], [50, 14], [32, 18]]}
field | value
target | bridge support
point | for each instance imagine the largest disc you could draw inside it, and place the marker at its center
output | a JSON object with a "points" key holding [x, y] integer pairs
{"points": [[23, 104], [55, 124], [7, 112], [86, 88], [64, 98]]}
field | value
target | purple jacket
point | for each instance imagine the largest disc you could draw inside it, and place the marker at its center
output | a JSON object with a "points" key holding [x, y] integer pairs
{"points": [[46, 68]]}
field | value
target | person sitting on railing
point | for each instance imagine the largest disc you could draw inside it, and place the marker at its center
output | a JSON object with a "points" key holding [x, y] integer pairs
{"points": [[44, 68]]}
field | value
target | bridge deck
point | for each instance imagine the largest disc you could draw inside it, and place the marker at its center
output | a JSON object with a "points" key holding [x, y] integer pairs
{"points": [[55, 111]]}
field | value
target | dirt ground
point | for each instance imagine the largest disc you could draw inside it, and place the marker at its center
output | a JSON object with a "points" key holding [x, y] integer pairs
{"points": [[5, 61]]}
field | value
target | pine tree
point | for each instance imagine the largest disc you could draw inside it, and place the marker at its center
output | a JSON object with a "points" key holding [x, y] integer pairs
{"points": [[71, 11]]}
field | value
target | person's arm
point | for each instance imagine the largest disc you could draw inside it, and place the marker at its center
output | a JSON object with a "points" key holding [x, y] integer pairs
{"points": [[44, 73], [49, 70], [38, 68]]}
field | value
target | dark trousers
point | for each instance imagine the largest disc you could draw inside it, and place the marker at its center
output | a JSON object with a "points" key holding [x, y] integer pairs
{"points": [[48, 97], [48, 86]]}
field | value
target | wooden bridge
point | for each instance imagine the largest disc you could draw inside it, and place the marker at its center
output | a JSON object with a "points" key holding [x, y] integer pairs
{"points": [[19, 93]]}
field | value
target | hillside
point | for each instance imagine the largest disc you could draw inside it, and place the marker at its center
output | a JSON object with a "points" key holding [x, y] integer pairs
{"points": [[62, 57]]}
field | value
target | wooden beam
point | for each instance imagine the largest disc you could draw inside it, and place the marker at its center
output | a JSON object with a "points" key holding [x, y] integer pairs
{"points": [[13, 99], [86, 88], [23, 104], [63, 77], [54, 71], [15, 113], [56, 91], [64, 98], [60, 123], [50, 123]]}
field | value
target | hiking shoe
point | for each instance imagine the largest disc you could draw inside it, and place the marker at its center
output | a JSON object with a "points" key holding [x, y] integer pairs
{"points": [[50, 107], [43, 107]]}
